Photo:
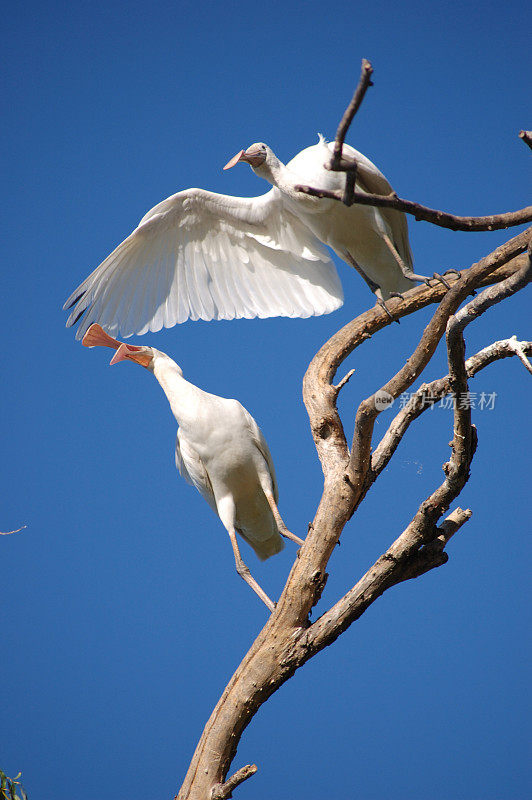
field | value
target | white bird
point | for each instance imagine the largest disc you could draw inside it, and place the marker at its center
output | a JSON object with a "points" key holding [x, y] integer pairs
{"points": [[201, 255], [219, 449]]}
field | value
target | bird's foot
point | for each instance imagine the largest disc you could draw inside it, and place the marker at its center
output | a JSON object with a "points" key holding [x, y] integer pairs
{"points": [[412, 276], [382, 303], [437, 277], [415, 278], [441, 279]]}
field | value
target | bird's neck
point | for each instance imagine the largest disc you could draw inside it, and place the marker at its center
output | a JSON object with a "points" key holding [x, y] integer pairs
{"points": [[278, 174], [275, 172], [182, 395]]}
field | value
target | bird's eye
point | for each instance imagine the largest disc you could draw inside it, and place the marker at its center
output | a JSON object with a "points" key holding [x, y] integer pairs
{"points": [[263, 147]]}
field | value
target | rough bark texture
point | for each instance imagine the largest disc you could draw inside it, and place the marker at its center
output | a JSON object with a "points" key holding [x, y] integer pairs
{"points": [[289, 639]]}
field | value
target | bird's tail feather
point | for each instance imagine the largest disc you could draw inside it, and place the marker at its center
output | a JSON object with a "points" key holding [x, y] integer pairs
{"points": [[265, 548]]}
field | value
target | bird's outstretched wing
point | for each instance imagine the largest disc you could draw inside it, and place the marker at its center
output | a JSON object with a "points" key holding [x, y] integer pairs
{"points": [[201, 255], [192, 469], [371, 180]]}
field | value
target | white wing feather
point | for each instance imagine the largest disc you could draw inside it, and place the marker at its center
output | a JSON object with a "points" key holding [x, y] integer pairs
{"points": [[192, 469], [261, 444], [200, 255]]}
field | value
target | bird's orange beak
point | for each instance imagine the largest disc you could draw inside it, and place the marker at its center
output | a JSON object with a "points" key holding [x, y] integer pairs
{"points": [[97, 337], [129, 352], [254, 156], [235, 160]]}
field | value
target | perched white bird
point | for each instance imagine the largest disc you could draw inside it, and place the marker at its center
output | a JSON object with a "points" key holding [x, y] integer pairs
{"points": [[201, 255], [219, 449]]}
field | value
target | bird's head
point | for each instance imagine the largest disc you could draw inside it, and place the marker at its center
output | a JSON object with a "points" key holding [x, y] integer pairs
{"points": [[257, 156], [145, 356], [97, 337], [150, 358]]}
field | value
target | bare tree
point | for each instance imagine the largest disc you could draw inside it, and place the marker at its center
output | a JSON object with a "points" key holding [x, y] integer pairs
{"points": [[289, 638]]}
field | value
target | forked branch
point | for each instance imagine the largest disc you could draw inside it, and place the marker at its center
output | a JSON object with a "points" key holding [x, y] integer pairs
{"points": [[289, 638], [347, 164], [223, 790], [428, 394], [431, 393], [369, 409]]}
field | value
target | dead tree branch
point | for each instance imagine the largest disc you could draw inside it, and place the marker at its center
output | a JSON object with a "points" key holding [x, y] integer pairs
{"points": [[369, 409], [289, 638], [7, 533], [345, 123], [430, 393], [337, 162], [223, 790], [454, 222], [399, 563], [349, 196]]}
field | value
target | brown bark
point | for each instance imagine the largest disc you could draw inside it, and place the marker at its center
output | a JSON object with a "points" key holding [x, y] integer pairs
{"points": [[454, 222], [289, 638]]}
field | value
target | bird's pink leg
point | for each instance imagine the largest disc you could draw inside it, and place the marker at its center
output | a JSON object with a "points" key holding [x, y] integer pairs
{"points": [[375, 288], [244, 572], [283, 530], [407, 271]]}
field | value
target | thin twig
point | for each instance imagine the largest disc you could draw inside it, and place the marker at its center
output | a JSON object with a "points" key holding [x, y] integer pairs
{"points": [[424, 397], [454, 222], [363, 85], [443, 219], [344, 380], [7, 533], [399, 563], [464, 440], [452, 523], [223, 790], [337, 162], [430, 393], [494, 294], [519, 348], [369, 409]]}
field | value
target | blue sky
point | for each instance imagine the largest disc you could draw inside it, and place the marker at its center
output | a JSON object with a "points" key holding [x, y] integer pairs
{"points": [[122, 616]]}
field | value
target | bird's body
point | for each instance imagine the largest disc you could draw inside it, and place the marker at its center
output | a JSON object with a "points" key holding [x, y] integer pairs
{"points": [[220, 449], [202, 255], [357, 229], [222, 452]]}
